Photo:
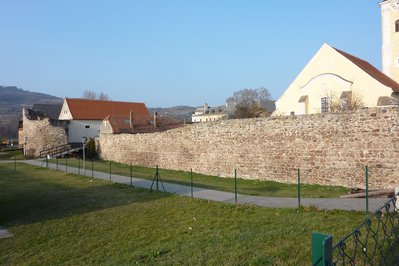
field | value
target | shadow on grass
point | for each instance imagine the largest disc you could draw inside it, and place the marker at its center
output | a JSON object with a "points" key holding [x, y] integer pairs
{"points": [[34, 194]]}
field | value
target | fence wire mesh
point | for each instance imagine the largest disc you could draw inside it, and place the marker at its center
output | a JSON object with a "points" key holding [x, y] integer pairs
{"points": [[374, 242], [298, 190]]}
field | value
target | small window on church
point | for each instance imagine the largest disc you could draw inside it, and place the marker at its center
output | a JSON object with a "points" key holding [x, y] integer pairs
{"points": [[325, 104], [397, 26]]}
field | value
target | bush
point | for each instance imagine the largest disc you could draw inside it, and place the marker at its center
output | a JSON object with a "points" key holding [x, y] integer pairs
{"points": [[91, 149], [30, 153]]}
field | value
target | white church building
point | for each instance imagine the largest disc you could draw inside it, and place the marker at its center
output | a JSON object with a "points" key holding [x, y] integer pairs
{"points": [[334, 78]]}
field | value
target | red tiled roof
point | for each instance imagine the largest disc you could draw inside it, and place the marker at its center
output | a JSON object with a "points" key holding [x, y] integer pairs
{"points": [[84, 109], [121, 124], [371, 70]]}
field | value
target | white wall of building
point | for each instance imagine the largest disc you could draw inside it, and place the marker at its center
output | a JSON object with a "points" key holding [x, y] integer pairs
{"points": [[207, 118], [65, 114], [83, 128], [327, 74]]}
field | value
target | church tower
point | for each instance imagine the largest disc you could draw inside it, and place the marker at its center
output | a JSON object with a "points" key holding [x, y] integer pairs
{"points": [[390, 38]]}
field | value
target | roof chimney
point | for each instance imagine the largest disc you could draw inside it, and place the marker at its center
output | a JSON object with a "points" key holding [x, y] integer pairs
{"points": [[131, 118], [155, 119]]}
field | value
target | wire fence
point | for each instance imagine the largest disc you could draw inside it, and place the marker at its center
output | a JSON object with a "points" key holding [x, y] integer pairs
{"points": [[373, 242], [298, 194]]}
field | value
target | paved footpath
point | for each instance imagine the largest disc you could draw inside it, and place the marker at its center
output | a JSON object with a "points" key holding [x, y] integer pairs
{"points": [[228, 197]]}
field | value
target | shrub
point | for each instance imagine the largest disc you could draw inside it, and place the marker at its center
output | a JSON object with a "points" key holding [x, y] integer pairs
{"points": [[30, 153], [91, 149]]}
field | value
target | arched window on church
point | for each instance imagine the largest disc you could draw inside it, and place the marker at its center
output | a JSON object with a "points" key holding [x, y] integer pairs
{"points": [[397, 26]]}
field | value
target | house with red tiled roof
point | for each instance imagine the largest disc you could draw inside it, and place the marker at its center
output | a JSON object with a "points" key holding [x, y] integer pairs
{"points": [[85, 116]]}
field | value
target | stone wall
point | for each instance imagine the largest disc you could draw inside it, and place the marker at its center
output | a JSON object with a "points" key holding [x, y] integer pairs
{"points": [[40, 135], [329, 148]]}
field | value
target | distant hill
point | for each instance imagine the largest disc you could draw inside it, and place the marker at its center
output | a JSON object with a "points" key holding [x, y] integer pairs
{"points": [[12, 99], [180, 113]]}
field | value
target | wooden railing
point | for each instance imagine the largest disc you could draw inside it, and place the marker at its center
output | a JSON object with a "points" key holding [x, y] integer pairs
{"points": [[57, 151]]}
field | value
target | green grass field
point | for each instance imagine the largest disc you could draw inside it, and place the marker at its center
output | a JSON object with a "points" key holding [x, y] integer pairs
{"points": [[248, 187], [59, 218], [9, 154]]}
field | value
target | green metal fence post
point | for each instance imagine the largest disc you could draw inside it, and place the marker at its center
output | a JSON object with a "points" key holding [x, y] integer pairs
{"points": [[66, 164], [321, 249], [56, 163], [46, 161], [15, 163], [299, 188], [157, 179], [131, 179], [191, 182], [235, 185], [157, 173], [110, 177], [92, 169], [367, 189], [78, 166]]}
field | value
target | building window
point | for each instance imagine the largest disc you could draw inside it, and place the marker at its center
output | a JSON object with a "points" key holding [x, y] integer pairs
{"points": [[325, 104], [397, 26], [87, 126]]}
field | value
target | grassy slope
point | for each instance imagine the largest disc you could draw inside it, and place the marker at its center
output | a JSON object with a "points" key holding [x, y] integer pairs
{"points": [[65, 219], [249, 187]]}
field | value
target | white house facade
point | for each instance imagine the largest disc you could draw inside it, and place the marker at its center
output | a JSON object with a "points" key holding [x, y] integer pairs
{"points": [[85, 116]]}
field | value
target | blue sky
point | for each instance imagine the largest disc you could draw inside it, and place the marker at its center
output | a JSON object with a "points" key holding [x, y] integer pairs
{"points": [[168, 53]]}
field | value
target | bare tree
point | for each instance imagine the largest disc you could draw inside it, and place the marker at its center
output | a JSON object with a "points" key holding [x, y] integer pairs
{"points": [[356, 100], [249, 102], [103, 97], [347, 101], [89, 94]]}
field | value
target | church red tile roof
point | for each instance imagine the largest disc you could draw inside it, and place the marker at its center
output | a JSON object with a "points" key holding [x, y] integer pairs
{"points": [[371, 70], [85, 109]]}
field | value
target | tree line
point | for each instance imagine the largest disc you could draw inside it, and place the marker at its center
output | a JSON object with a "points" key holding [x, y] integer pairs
{"points": [[92, 95]]}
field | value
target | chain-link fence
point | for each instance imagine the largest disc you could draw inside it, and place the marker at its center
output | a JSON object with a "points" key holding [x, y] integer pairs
{"points": [[373, 242], [300, 193]]}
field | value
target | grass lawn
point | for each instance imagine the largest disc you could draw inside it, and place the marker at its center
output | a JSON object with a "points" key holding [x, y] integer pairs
{"points": [[248, 187], [9, 154], [59, 218]]}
